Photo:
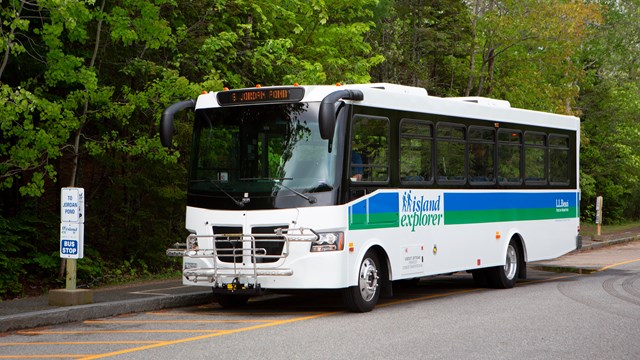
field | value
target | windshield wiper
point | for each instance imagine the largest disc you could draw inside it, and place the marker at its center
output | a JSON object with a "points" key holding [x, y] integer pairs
{"points": [[241, 203], [277, 182], [310, 199]]}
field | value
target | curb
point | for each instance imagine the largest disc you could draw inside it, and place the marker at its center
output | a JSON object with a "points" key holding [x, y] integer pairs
{"points": [[99, 310], [592, 246], [565, 269], [600, 244]]}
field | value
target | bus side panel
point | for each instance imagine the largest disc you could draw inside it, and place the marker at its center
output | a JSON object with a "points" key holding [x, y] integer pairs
{"points": [[427, 232]]}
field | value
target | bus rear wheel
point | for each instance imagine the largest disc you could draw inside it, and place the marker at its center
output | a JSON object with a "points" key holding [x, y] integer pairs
{"points": [[504, 277], [364, 296]]}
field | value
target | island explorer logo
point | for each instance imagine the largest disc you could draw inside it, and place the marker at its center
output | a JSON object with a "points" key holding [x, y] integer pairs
{"points": [[420, 211]]}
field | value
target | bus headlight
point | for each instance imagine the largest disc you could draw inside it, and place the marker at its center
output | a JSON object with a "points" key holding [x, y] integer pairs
{"points": [[328, 242]]}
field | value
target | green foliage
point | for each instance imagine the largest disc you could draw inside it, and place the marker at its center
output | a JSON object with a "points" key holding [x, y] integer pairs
{"points": [[83, 84], [25, 259], [275, 42], [611, 101], [423, 44], [610, 158], [529, 52], [11, 265]]}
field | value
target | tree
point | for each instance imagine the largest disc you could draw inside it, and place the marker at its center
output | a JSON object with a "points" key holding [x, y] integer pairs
{"points": [[423, 43], [610, 101], [526, 51], [83, 85]]}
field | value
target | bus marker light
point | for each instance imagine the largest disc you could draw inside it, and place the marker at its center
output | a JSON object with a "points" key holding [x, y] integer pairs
{"points": [[435, 249], [478, 262], [351, 247], [498, 236]]}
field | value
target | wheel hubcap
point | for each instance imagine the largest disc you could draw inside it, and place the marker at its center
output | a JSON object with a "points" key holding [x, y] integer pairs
{"points": [[368, 281], [511, 266]]}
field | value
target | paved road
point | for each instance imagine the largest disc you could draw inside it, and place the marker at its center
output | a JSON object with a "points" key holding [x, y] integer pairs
{"points": [[550, 316]]}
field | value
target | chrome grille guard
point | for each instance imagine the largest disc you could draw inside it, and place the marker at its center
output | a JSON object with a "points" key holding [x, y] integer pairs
{"points": [[243, 270]]}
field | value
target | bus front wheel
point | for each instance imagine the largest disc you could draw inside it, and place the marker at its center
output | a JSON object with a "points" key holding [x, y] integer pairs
{"points": [[364, 296]]}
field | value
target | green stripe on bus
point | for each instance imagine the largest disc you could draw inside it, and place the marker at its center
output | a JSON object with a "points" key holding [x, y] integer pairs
{"points": [[375, 221], [485, 216]]}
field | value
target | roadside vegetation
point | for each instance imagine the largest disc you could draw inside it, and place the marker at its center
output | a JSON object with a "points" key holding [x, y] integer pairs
{"points": [[83, 84], [617, 231]]}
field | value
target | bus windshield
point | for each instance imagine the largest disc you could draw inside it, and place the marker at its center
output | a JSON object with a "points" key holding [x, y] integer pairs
{"points": [[262, 150]]}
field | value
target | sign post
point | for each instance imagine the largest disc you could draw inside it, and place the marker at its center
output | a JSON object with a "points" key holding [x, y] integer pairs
{"points": [[72, 230], [598, 216], [71, 247]]}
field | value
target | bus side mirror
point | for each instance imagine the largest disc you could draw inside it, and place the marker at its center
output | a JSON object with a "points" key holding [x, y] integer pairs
{"points": [[327, 114], [166, 121]]}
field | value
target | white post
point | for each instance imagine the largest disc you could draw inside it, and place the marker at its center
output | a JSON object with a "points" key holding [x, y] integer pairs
{"points": [[598, 215], [71, 247]]}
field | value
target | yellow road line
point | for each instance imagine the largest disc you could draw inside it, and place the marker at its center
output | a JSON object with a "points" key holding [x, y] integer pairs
{"points": [[121, 342], [547, 280], [618, 264], [71, 332], [427, 297], [248, 313], [191, 321], [45, 356], [201, 337]]}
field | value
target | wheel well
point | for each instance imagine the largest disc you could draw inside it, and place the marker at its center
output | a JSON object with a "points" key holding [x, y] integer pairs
{"points": [[387, 289], [522, 268]]}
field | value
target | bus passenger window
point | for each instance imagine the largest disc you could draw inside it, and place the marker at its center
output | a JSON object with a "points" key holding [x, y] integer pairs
{"points": [[481, 155], [450, 152], [415, 151], [535, 158], [558, 159], [509, 157], [370, 147]]}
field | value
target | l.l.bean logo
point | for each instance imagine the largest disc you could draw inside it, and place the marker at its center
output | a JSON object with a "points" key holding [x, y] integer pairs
{"points": [[418, 211]]}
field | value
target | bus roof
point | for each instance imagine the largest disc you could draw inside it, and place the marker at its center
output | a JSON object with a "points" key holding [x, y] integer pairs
{"points": [[414, 99]]}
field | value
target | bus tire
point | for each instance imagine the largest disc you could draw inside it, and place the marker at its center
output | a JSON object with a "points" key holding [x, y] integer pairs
{"points": [[231, 301], [364, 296], [504, 277]]}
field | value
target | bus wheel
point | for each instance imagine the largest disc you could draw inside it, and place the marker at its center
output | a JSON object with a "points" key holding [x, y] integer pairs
{"points": [[231, 301], [504, 277], [364, 296]]}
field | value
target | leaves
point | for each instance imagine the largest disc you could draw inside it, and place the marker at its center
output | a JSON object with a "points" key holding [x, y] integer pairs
{"points": [[83, 84]]}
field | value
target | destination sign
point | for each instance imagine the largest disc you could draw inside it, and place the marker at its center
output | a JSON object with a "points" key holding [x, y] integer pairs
{"points": [[247, 96]]}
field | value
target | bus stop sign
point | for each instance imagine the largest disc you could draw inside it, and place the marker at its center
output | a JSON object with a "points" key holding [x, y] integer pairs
{"points": [[72, 223], [71, 240]]}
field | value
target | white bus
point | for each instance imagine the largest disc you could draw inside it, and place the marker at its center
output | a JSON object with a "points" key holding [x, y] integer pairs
{"points": [[354, 187]]}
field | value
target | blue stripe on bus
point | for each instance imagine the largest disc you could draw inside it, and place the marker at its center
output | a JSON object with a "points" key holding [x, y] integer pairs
{"points": [[461, 201], [379, 203]]}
